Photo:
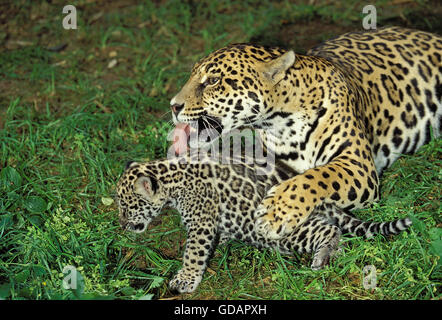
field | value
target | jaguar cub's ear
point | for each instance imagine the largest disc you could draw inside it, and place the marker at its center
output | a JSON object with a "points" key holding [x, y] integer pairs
{"points": [[275, 69], [146, 186]]}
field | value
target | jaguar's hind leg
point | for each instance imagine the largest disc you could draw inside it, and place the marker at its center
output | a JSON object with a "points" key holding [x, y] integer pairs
{"points": [[318, 235], [328, 247]]}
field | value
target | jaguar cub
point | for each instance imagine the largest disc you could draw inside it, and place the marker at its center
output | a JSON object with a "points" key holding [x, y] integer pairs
{"points": [[217, 203]]}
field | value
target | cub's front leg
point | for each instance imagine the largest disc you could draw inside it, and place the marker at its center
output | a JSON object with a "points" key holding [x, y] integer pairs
{"points": [[200, 240], [343, 182]]}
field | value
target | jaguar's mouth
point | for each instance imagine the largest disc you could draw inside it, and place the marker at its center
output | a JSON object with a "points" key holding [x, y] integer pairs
{"points": [[191, 135]]}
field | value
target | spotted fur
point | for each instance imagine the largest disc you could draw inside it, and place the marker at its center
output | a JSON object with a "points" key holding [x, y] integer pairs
{"points": [[217, 203], [339, 115]]}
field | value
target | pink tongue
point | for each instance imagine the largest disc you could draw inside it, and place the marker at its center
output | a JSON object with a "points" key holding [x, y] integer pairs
{"points": [[181, 135]]}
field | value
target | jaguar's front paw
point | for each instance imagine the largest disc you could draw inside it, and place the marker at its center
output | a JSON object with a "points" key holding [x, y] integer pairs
{"points": [[269, 224], [184, 282], [282, 210]]}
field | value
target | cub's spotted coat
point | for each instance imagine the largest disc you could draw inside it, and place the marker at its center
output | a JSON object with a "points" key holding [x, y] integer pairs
{"points": [[217, 203], [339, 115]]}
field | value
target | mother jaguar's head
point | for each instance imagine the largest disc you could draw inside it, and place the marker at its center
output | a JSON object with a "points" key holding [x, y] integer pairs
{"points": [[230, 88]]}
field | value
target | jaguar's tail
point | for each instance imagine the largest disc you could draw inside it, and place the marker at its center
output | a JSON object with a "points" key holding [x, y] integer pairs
{"points": [[351, 225]]}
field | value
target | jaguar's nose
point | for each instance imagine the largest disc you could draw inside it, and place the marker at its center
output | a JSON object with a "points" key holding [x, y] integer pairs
{"points": [[176, 108]]}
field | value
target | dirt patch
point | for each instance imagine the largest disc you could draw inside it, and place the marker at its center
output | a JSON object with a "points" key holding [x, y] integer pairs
{"points": [[304, 34], [300, 36]]}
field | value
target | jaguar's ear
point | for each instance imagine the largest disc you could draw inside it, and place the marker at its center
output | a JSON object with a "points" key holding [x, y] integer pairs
{"points": [[276, 69], [129, 164], [146, 186]]}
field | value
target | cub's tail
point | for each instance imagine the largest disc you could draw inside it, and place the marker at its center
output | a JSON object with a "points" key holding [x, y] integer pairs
{"points": [[356, 227]]}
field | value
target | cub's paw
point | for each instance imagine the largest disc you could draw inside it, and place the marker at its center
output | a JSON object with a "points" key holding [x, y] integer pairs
{"points": [[184, 282]]}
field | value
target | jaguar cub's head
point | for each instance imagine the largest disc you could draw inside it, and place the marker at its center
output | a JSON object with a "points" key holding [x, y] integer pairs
{"points": [[140, 197], [229, 89]]}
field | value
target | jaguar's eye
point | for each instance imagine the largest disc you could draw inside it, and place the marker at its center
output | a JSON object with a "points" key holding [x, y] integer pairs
{"points": [[211, 81]]}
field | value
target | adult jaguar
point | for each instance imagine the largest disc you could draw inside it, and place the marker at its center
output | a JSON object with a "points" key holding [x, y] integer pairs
{"points": [[339, 115]]}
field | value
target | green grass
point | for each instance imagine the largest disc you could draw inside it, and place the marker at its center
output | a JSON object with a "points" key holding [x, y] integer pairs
{"points": [[68, 124]]}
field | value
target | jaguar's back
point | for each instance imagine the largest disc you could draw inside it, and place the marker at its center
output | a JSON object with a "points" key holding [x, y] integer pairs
{"points": [[398, 72]]}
